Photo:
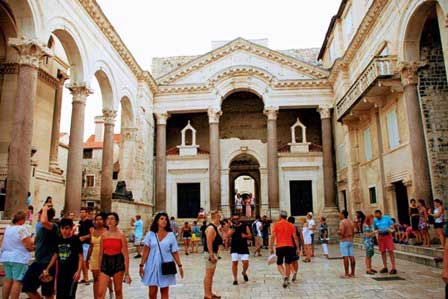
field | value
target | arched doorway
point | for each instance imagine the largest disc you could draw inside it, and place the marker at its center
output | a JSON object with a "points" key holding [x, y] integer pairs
{"points": [[244, 178]]}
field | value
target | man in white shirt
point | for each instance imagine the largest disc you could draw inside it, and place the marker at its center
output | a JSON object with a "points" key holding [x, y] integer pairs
{"points": [[258, 226], [312, 228]]}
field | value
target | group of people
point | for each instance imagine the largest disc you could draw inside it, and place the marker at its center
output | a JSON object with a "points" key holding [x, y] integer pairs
{"points": [[245, 204], [416, 226]]}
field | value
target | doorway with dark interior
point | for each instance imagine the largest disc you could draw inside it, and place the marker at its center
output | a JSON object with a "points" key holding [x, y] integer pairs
{"points": [[401, 196], [301, 197], [188, 200]]}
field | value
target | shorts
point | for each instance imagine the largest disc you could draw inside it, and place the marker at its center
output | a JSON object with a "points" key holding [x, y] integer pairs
{"points": [[370, 251], [346, 248], [137, 241], [259, 240], [31, 281], [438, 225], [194, 238], [386, 243], [15, 271], [208, 264], [239, 257], [85, 250], [285, 255], [112, 264], [308, 240]]}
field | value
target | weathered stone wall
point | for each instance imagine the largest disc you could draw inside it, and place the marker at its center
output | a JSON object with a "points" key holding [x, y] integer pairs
{"points": [[126, 210], [433, 89]]}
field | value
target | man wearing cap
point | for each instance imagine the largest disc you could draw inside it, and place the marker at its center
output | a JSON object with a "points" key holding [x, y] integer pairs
{"points": [[285, 238]]}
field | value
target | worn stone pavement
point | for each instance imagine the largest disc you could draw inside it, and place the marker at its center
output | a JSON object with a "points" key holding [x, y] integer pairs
{"points": [[319, 279]]}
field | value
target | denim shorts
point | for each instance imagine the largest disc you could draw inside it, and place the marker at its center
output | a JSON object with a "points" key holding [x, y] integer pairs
{"points": [[15, 271], [346, 248]]}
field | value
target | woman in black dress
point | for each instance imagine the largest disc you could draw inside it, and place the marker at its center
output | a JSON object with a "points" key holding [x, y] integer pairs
{"points": [[413, 214]]}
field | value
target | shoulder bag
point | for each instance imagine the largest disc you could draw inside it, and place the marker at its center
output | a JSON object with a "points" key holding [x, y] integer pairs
{"points": [[168, 268]]}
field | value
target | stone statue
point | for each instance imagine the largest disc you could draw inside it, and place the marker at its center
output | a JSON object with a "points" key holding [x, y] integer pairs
{"points": [[121, 192]]}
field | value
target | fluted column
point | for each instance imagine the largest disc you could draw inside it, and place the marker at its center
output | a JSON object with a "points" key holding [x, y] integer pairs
{"points": [[107, 168], [161, 173], [272, 113], [214, 159], [19, 153], [57, 108], [74, 161], [421, 177], [327, 152]]}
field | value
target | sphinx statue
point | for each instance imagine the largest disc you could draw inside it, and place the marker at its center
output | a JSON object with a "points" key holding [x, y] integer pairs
{"points": [[121, 192]]}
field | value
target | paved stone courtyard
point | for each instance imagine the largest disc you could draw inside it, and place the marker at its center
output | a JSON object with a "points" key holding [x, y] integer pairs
{"points": [[319, 279]]}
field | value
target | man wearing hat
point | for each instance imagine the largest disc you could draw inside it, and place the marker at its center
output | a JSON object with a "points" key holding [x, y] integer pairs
{"points": [[285, 239]]}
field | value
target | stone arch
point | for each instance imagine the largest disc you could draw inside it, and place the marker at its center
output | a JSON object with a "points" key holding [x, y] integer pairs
{"points": [[23, 12], [231, 157], [127, 113], [73, 46], [8, 29], [411, 28], [106, 90]]}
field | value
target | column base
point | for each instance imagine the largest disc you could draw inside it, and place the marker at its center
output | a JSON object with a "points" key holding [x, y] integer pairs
{"points": [[332, 216]]}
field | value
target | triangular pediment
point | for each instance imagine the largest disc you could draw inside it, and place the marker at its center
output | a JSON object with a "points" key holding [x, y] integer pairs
{"points": [[241, 53]]}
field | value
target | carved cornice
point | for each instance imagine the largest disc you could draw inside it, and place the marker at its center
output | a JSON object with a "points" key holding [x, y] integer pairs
{"points": [[31, 52], [364, 29], [242, 44], [100, 19], [9, 68], [79, 92], [48, 78]]}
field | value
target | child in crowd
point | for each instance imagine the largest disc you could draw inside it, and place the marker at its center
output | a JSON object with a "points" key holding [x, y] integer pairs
{"points": [[369, 236], [323, 235], [69, 258]]}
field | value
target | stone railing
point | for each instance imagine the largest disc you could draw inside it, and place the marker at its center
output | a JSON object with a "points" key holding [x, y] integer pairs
{"points": [[381, 67]]}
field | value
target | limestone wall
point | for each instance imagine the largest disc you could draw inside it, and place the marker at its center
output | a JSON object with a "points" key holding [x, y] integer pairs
{"points": [[126, 210]]}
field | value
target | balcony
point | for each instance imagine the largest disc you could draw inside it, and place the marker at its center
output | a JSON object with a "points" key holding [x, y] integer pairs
{"points": [[379, 70]]}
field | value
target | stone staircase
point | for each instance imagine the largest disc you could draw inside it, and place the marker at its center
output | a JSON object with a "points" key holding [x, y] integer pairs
{"points": [[432, 256]]}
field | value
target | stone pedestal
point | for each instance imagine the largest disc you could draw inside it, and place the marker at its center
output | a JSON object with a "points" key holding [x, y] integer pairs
{"points": [[108, 160], [19, 153], [160, 200], [299, 147], [271, 113], [214, 159], [74, 162]]}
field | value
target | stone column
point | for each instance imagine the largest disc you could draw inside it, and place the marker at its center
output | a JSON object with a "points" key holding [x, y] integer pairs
{"points": [[19, 152], [161, 172], [273, 195], [54, 147], [417, 141], [327, 152], [73, 184], [214, 159], [107, 168]]}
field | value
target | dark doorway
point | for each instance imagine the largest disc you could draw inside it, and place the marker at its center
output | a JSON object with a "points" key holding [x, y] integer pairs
{"points": [[401, 196], [188, 200], [344, 199], [301, 197]]}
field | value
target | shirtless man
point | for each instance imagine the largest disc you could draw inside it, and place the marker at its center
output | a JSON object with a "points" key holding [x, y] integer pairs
{"points": [[346, 232]]}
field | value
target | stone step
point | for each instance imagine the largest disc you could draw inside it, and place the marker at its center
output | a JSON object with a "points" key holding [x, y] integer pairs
{"points": [[405, 252]]}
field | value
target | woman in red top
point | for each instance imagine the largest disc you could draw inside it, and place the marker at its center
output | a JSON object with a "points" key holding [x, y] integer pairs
{"points": [[114, 258]]}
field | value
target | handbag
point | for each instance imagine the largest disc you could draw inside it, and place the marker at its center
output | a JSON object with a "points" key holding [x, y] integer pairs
{"points": [[168, 268]]}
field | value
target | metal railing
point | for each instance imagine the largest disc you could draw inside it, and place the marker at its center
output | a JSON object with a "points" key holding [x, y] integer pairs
{"points": [[380, 67]]}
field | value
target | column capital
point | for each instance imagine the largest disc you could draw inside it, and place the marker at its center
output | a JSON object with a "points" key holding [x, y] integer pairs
{"points": [[80, 92], [325, 111], [213, 115], [109, 116], [409, 71], [62, 76], [162, 117], [271, 112], [31, 52]]}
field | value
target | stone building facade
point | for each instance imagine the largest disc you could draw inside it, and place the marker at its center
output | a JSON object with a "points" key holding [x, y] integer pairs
{"points": [[359, 125]]}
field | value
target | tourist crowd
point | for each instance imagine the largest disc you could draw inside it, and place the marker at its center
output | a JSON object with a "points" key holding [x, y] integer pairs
{"points": [[65, 250]]}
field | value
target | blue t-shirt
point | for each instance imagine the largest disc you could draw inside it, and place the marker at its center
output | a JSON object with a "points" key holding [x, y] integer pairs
{"points": [[382, 224], [138, 229], [28, 201]]}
